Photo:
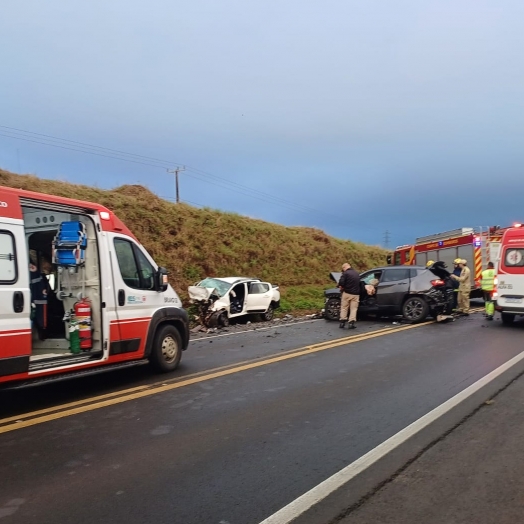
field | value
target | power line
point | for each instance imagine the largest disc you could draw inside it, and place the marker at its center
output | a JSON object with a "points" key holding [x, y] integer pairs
{"points": [[156, 160], [219, 184], [196, 174], [49, 140], [232, 186]]}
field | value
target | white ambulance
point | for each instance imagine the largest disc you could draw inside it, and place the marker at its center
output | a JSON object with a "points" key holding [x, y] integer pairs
{"points": [[509, 284], [78, 291]]}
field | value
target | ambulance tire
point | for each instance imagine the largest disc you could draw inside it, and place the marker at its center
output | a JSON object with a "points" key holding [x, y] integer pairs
{"points": [[167, 349], [507, 318]]}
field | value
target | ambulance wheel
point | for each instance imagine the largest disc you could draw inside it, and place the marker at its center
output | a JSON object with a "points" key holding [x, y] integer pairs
{"points": [[167, 349], [507, 318]]}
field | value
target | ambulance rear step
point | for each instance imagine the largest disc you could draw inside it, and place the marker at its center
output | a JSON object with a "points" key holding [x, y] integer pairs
{"points": [[72, 374]]}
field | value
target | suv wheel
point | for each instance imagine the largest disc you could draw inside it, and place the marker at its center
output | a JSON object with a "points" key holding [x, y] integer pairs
{"points": [[223, 320], [268, 315], [415, 309], [332, 309]]}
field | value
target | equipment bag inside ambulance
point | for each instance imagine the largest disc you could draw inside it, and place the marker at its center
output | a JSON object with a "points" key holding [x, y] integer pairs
{"points": [[78, 291]]}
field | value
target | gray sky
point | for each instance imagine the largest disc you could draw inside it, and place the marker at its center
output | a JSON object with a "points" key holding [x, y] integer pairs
{"points": [[405, 116]]}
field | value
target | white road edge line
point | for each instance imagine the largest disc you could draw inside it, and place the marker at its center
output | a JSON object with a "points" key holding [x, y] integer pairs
{"points": [[306, 501], [254, 330]]}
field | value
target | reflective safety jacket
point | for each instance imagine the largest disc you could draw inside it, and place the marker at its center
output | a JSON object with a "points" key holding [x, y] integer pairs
{"points": [[488, 280]]}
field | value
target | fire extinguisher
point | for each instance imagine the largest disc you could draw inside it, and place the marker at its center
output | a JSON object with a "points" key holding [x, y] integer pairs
{"points": [[83, 317]]}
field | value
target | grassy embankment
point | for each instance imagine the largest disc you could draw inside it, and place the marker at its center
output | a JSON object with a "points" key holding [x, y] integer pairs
{"points": [[193, 243]]}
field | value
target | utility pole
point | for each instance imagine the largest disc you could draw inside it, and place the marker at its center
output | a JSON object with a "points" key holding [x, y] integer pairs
{"points": [[176, 171], [386, 239]]}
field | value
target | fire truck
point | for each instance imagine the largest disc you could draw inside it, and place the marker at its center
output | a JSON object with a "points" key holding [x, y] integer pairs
{"points": [[477, 245]]}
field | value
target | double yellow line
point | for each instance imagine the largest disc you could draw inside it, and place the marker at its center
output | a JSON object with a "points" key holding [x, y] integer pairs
{"points": [[110, 399]]}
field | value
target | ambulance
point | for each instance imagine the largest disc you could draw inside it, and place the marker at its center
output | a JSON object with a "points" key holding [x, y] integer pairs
{"points": [[509, 283], [78, 293]]}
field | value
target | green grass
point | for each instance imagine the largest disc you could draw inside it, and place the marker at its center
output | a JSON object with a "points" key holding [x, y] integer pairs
{"points": [[193, 243], [302, 299]]}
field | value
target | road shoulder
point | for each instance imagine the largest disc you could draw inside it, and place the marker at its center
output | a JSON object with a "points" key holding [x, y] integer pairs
{"points": [[474, 474]]}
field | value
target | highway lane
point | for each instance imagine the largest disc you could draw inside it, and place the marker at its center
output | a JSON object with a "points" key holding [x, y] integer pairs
{"points": [[235, 449], [204, 353]]}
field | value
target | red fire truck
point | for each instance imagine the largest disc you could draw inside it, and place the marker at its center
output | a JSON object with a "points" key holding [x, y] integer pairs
{"points": [[478, 246]]}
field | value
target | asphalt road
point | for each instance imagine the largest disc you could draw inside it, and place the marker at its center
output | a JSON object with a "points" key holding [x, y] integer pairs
{"points": [[228, 444]]}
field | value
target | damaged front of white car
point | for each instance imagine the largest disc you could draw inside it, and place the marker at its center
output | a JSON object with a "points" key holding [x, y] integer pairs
{"points": [[212, 298], [220, 299]]}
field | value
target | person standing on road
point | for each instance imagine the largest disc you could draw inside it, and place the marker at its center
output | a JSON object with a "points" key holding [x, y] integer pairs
{"points": [[349, 285], [456, 271], [488, 285], [464, 281]]}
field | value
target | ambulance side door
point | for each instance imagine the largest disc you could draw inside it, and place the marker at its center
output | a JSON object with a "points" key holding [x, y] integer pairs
{"points": [[15, 300], [136, 296]]}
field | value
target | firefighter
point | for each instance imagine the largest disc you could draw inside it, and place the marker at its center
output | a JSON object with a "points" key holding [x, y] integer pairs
{"points": [[488, 285], [456, 271], [464, 289]]}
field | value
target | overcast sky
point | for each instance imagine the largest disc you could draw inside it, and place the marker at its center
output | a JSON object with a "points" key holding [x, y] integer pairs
{"points": [[359, 116]]}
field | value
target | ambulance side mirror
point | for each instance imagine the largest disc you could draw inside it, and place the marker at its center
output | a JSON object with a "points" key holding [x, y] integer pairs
{"points": [[388, 259], [161, 279]]}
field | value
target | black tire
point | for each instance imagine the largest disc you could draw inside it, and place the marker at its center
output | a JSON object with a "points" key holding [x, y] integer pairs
{"points": [[223, 320], [507, 318], [332, 309], [269, 314], [167, 349], [415, 309]]}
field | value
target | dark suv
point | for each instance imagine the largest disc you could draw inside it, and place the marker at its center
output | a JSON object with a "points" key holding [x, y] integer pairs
{"points": [[402, 290]]}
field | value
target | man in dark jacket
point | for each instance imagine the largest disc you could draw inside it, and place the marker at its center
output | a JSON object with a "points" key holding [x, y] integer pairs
{"points": [[349, 285]]}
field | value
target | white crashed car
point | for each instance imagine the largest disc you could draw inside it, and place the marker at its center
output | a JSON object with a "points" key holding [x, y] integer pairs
{"points": [[220, 299]]}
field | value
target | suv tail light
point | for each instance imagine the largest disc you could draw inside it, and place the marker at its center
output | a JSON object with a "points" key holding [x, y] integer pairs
{"points": [[437, 282]]}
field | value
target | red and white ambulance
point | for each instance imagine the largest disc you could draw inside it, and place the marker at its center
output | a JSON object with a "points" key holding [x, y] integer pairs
{"points": [[78, 292], [509, 283]]}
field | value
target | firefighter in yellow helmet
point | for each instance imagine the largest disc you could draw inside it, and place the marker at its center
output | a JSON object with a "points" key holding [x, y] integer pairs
{"points": [[429, 263], [455, 283], [464, 280]]}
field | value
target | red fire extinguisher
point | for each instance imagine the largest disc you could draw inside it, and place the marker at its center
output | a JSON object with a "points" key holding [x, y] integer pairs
{"points": [[83, 316]]}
